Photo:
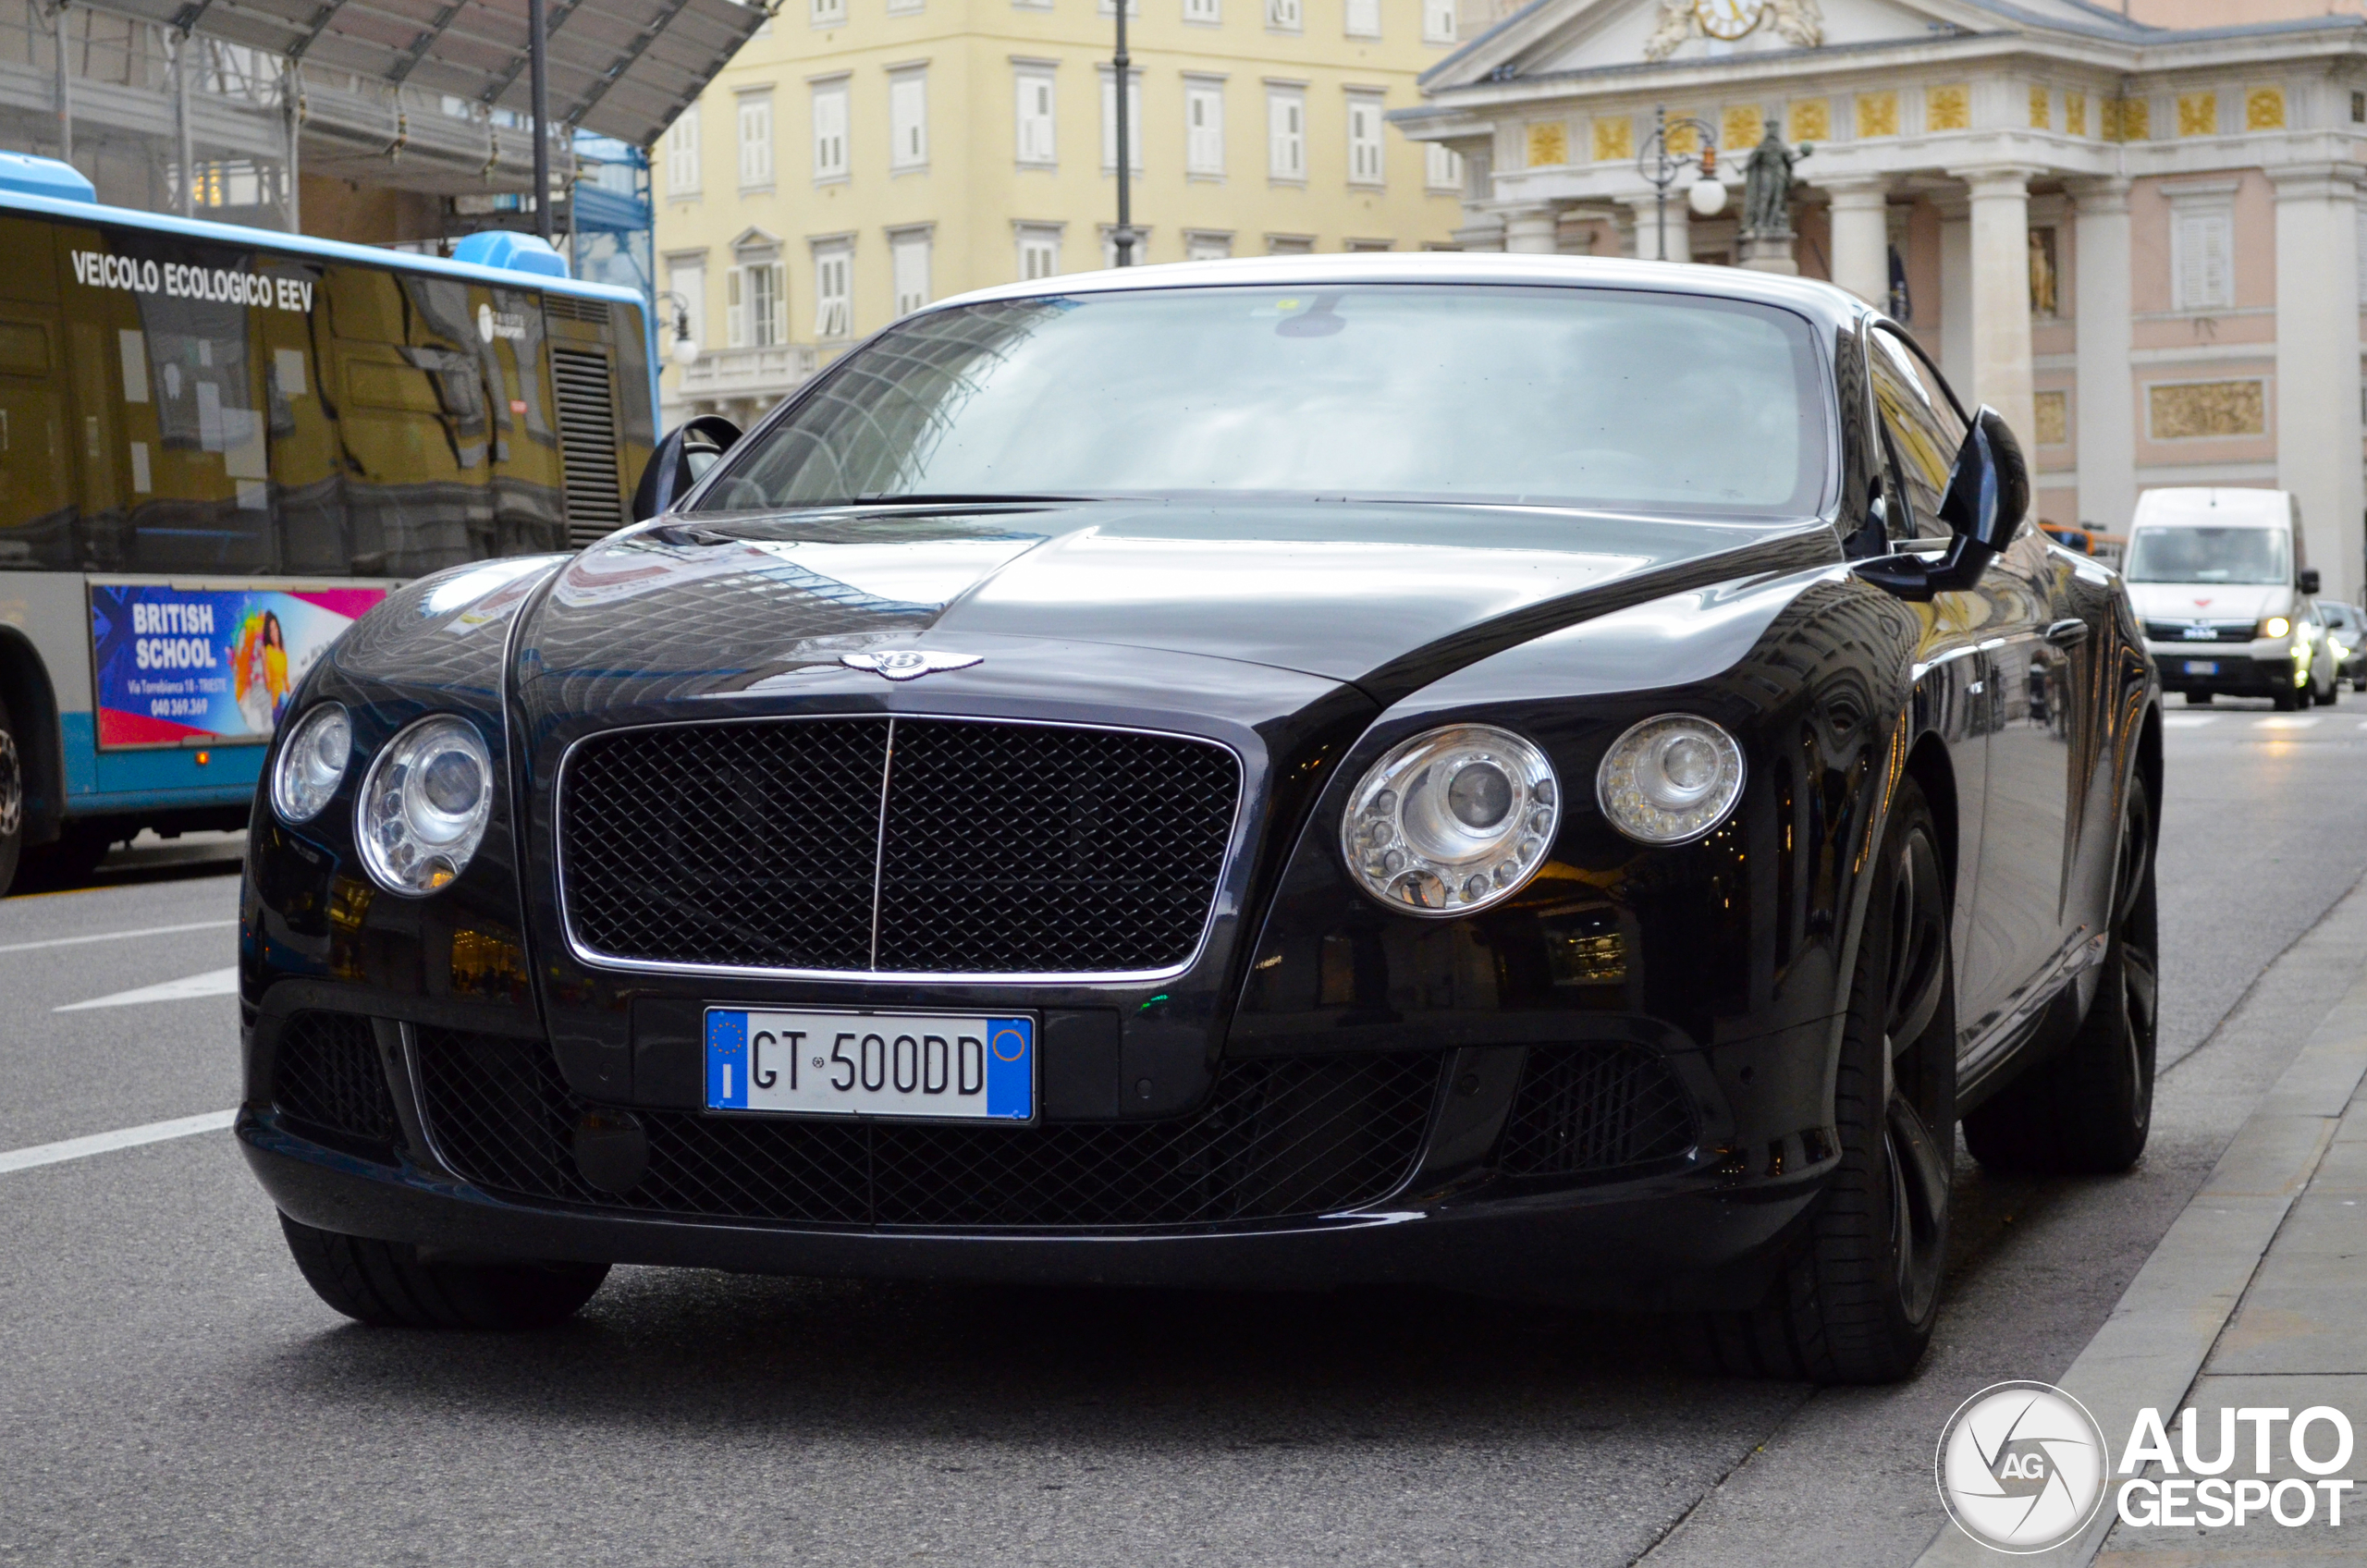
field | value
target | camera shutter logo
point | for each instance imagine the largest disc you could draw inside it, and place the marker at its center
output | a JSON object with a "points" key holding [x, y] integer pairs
{"points": [[2022, 1467]]}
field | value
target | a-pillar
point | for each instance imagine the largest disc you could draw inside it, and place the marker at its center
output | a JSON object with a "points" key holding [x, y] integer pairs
{"points": [[2105, 430], [2001, 296], [1529, 231], [1649, 212], [2317, 364], [1861, 240]]}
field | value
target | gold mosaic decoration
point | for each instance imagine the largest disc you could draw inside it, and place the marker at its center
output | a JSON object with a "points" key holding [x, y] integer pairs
{"points": [[2191, 409], [1812, 120], [2264, 109], [2197, 114], [1549, 144], [1742, 128], [1878, 114], [2052, 416], [2128, 119], [1683, 138], [2075, 112], [1948, 109], [2042, 109], [1614, 138]]}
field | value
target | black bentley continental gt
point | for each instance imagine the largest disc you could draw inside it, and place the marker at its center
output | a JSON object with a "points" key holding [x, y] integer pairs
{"points": [[1555, 778]]}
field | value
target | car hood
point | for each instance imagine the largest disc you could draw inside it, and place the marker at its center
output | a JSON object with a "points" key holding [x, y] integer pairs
{"points": [[1388, 596], [2210, 601]]}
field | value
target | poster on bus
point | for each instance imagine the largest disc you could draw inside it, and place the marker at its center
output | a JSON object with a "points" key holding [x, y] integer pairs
{"points": [[177, 666]]}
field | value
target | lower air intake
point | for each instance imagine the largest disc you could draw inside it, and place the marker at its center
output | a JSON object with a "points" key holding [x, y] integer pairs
{"points": [[326, 1071], [1596, 1106]]}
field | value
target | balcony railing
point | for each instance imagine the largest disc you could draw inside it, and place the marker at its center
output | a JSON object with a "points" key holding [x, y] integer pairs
{"points": [[771, 373]]}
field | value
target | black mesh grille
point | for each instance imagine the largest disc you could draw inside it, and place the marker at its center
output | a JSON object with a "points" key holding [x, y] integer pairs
{"points": [[327, 1071], [2220, 631], [1002, 848], [1300, 1135], [1595, 1106]]}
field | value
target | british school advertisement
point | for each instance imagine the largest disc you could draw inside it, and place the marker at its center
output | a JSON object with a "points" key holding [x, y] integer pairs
{"points": [[178, 665]]}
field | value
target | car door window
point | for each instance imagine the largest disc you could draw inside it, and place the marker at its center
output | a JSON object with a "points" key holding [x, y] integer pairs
{"points": [[1922, 431]]}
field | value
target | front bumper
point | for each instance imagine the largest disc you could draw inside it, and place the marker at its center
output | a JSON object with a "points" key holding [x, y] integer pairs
{"points": [[2260, 668]]}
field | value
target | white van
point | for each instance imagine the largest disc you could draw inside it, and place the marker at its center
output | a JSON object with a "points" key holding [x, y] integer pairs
{"points": [[2221, 580]]}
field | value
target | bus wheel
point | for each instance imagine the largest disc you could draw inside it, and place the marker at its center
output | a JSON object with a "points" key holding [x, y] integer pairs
{"points": [[12, 801]]}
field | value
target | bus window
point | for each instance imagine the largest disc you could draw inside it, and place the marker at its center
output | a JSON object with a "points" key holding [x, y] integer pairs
{"points": [[526, 477], [36, 470], [307, 460]]}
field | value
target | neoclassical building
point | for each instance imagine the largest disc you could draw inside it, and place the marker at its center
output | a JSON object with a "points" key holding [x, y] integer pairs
{"points": [[2139, 242]]}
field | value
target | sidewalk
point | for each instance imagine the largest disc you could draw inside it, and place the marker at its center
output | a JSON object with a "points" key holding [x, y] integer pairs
{"points": [[2257, 1296]]}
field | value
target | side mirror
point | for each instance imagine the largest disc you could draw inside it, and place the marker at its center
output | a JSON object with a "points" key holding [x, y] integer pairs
{"points": [[1988, 496], [2308, 581], [687, 452]]}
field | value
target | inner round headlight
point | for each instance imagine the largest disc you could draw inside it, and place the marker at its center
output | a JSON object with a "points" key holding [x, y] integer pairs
{"points": [[311, 763], [424, 805], [1670, 779], [1453, 820]]}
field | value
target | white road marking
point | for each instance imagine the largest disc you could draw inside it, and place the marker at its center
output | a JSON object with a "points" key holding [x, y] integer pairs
{"points": [[2279, 721], [117, 935], [122, 1138], [212, 983], [2187, 720]]}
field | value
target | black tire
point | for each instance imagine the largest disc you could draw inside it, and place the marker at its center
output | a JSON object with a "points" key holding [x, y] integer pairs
{"points": [[2197, 699], [2333, 693], [1856, 1303], [65, 861], [2089, 1109], [386, 1286], [2287, 699], [12, 801]]}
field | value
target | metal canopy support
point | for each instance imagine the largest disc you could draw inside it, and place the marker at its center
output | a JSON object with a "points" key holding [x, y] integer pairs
{"points": [[538, 69], [615, 73], [426, 42]]}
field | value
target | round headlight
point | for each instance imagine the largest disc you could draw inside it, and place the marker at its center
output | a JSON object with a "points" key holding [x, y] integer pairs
{"points": [[424, 805], [2276, 626], [1453, 820], [1670, 779], [311, 763]]}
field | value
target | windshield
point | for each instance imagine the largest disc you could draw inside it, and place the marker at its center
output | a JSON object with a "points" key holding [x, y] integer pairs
{"points": [[2208, 555], [1565, 396]]}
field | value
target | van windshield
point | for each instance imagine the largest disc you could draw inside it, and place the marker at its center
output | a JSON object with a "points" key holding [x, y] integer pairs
{"points": [[2208, 555], [1580, 397]]}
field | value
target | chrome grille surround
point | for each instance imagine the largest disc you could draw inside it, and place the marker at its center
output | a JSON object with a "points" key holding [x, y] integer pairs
{"points": [[882, 852]]}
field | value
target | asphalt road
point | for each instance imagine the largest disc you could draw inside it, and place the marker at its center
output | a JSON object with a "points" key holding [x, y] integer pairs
{"points": [[170, 1392]]}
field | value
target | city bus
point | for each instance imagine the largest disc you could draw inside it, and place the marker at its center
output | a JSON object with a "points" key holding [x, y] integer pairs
{"points": [[219, 447]]}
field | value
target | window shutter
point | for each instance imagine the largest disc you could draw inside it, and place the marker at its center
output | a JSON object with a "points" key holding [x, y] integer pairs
{"points": [[1282, 14], [1133, 120], [1364, 19], [756, 139], [829, 133], [1438, 21], [908, 116], [735, 308], [1286, 126], [1203, 130], [1035, 142], [908, 257], [682, 154]]}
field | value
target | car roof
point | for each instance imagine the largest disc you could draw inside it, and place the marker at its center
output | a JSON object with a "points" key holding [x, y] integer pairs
{"points": [[1820, 301]]}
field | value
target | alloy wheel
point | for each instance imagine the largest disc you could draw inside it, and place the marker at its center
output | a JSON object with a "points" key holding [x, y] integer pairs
{"points": [[1915, 983]]}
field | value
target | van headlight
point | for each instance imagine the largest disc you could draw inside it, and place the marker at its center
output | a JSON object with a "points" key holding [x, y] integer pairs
{"points": [[423, 807], [1453, 820], [1670, 779], [311, 763]]}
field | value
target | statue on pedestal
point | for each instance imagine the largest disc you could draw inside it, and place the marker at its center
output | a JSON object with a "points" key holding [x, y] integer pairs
{"points": [[1767, 203]]}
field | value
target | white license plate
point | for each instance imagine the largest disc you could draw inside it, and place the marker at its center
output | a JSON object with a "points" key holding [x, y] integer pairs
{"points": [[2202, 666], [937, 1066]]}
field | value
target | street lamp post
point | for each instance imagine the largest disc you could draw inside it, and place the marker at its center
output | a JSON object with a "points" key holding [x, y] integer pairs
{"points": [[1121, 238], [1662, 168]]}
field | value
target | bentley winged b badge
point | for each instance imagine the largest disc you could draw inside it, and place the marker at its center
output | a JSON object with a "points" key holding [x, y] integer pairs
{"points": [[909, 664]]}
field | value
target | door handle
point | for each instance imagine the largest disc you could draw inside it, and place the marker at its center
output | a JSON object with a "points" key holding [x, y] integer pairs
{"points": [[2067, 633]]}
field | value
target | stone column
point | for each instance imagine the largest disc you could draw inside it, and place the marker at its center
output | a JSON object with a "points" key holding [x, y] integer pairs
{"points": [[1529, 231], [2001, 296], [2104, 429], [2316, 397], [1955, 342], [1480, 231], [1861, 240], [1646, 212]]}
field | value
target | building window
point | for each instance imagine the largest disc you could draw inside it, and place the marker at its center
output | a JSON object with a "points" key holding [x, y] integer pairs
{"points": [[1290, 245], [1039, 250], [831, 131], [1438, 21], [1286, 133], [1368, 247], [682, 155], [1206, 246], [833, 291], [1202, 11], [1035, 118], [686, 275], [1283, 16], [1110, 244], [1441, 168], [1203, 128], [908, 260], [1133, 9], [829, 13], [1364, 138], [755, 140], [908, 121], [905, 7], [756, 302], [1364, 19], [1110, 121], [2203, 262]]}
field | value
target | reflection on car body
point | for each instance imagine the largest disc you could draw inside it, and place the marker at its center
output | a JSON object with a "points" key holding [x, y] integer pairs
{"points": [[1399, 805]]}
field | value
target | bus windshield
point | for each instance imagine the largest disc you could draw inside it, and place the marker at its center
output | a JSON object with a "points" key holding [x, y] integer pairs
{"points": [[2209, 555]]}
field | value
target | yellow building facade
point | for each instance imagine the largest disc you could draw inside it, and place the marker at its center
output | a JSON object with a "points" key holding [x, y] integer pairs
{"points": [[859, 158]]}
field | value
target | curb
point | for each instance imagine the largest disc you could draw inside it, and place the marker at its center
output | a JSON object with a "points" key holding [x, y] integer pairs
{"points": [[2153, 1347]]}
